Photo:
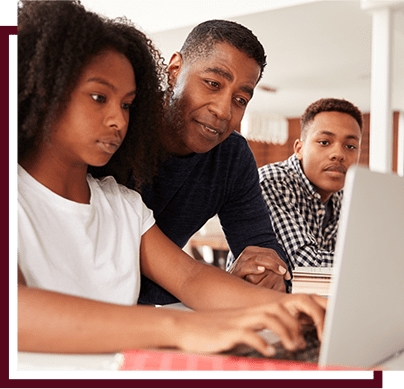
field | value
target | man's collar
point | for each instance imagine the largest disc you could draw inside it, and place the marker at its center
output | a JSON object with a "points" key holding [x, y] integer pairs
{"points": [[307, 185]]}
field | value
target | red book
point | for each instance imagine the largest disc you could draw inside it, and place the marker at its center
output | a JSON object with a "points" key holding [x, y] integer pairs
{"points": [[144, 360]]}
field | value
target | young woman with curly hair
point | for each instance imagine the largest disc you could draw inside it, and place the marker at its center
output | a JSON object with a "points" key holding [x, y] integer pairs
{"points": [[90, 92], [52, 51]]}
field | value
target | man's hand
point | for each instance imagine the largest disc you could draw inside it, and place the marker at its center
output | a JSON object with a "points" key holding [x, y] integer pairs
{"points": [[261, 266]]}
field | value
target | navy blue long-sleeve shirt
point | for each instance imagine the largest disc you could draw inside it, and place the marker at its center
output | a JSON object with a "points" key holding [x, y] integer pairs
{"points": [[189, 190]]}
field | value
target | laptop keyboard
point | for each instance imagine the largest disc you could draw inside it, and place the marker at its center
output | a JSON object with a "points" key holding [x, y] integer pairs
{"points": [[309, 354]]}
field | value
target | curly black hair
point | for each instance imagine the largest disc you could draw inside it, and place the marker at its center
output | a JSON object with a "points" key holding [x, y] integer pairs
{"points": [[328, 105], [202, 39], [55, 41]]}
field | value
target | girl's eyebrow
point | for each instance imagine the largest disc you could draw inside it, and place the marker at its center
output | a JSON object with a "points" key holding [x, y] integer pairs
{"points": [[109, 85]]}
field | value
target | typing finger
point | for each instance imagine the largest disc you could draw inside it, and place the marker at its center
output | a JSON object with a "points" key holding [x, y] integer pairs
{"points": [[312, 306]]}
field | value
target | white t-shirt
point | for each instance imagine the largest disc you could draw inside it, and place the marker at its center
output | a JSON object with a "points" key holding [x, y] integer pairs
{"points": [[87, 250]]}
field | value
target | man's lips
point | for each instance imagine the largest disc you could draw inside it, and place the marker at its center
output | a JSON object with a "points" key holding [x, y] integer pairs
{"points": [[212, 129], [338, 169]]}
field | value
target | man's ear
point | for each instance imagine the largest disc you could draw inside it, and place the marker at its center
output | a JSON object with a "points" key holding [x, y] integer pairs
{"points": [[298, 146], [174, 67]]}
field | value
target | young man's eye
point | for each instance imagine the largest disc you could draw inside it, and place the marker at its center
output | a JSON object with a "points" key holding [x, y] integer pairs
{"points": [[351, 147], [323, 142], [98, 98]]}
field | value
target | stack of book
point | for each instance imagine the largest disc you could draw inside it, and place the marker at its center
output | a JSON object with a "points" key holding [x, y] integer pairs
{"points": [[314, 280]]}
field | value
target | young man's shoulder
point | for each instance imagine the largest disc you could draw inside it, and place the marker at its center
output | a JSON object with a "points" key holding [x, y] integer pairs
{"points": [[279, 171]]}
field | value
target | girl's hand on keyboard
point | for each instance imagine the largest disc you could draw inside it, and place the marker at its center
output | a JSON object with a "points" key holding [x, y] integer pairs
{"points": [[221, 330], [307, 309]]}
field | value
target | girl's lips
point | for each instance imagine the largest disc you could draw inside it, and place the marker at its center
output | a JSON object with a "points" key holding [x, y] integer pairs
{"points": [[109, 146]]}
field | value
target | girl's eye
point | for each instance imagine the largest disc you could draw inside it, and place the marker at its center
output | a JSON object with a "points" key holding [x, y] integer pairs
{"points": [[126, 106], [98, 98]]}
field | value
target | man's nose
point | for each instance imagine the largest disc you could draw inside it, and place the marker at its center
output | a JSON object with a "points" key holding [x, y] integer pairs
{"points": [[338, 152], [221, 106]]}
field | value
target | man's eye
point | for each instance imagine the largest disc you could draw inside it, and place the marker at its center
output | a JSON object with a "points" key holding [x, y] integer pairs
{"points": [[213, 84], [323, 142], [98, 98], [242, 101]]}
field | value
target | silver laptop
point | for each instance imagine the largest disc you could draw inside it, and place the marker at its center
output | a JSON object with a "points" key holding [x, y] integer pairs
{"points": [[365, 316], [364, 324]]}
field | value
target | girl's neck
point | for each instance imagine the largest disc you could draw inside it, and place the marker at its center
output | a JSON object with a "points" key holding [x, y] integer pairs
{"points": [[66, 181]]}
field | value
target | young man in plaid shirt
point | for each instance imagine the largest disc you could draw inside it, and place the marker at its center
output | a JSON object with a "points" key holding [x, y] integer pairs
{"points": [[304, 193]]}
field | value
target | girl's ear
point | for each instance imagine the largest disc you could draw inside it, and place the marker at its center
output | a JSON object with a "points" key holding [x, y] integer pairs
{"points": [[298, 146], [175, 67]]}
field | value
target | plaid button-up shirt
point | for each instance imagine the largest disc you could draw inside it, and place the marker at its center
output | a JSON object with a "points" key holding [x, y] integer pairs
{"points": [[297, 214]]}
